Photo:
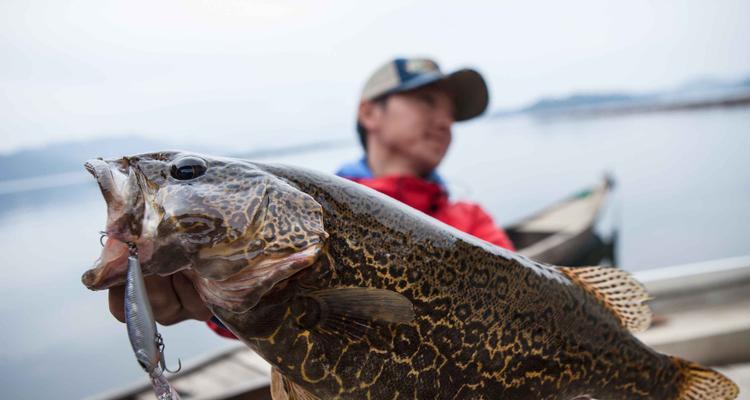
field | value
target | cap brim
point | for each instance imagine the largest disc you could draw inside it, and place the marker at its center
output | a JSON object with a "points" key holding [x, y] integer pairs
{"points": [[467, 87], [469, 92]]}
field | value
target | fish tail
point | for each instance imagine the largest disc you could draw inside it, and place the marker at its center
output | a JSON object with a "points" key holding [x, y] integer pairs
{"points": [[701, 383]]}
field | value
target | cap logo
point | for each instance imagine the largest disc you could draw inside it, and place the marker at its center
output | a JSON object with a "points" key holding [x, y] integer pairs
{"points": [[420, 66]]}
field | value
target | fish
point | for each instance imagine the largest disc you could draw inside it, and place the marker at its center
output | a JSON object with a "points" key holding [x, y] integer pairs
{"points": [[349, 294]]}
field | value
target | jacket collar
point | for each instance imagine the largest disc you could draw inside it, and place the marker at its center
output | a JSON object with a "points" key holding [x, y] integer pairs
{"points": [[360, 170]]}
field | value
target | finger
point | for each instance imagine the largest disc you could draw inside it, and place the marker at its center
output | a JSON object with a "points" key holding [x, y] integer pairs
{"points": [[117, 302], [164, 301], [172, 319], [189, 298]]}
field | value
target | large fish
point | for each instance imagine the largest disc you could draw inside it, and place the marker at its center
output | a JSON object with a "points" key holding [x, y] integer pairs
{"points": [[349, 294]]}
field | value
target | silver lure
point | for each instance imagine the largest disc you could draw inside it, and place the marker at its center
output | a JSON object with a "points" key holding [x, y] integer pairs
{"points": [[145, 339]]}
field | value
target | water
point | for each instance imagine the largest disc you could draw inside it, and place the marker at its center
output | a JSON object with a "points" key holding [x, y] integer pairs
{"points": [[683, 195]]}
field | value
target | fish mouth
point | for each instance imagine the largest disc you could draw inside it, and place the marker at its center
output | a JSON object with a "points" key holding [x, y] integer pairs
{"points": [[119, 187]]}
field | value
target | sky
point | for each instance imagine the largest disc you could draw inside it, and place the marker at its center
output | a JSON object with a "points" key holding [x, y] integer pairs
{"points": [[248, 74]]}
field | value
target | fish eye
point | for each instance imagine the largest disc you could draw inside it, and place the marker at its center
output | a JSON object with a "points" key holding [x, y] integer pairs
{"points": [[187, 168]]}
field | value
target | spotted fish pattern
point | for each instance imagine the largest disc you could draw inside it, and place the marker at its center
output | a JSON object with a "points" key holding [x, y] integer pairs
{"points": [[483, 323]]}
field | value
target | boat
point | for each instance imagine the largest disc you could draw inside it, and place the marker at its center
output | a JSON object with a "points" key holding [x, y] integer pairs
{"points": [[564, 233]]}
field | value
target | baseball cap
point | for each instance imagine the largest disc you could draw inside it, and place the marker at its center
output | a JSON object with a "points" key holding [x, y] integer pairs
{"points": [[469, 90]]}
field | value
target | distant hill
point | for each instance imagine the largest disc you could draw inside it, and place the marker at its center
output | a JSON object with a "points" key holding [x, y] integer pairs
{"points": [[581, 100], [694, 94], [69, 156]]}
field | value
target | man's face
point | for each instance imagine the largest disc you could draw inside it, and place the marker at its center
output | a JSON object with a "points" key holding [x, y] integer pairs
{"points": [[415, 127]]}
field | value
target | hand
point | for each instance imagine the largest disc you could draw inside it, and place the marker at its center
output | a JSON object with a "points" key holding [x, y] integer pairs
{"points": [[173, 299]]}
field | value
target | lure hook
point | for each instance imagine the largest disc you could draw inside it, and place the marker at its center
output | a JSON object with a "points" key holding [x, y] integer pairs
{"points": [[132, 249], [101, 238], [160, 344]]}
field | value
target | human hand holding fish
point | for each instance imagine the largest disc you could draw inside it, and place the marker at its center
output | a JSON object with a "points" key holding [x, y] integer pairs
{"points": [[349, 294]]}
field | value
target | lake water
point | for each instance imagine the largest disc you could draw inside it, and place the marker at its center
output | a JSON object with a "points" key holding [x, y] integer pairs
{"points": [[683, 195]]}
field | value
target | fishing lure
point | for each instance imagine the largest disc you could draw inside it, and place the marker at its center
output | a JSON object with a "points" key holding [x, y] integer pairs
{"points": [[145, 339]]}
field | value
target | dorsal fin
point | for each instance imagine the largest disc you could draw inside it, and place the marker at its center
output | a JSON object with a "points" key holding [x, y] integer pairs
{"points": [[618, 291]]}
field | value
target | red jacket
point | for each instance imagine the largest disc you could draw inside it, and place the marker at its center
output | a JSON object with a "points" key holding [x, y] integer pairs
{"points": [[429, 197]]}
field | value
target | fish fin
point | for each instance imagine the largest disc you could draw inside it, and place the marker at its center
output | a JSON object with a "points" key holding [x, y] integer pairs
{"points": [[284, 389], [701, 383], [618, 291], [352, 310]]}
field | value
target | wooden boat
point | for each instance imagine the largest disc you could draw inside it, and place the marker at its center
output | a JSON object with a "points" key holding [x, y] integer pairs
{"points": [[563, 234]]}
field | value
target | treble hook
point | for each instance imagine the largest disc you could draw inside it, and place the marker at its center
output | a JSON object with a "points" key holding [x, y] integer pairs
{"points": [[160, 344], [132, 249], [101, 238]]}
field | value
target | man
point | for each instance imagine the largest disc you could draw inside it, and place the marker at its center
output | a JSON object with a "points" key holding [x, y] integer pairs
{"points": [[404, 123]]}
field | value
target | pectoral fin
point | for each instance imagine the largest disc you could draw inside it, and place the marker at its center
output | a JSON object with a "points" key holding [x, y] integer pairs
{"points": [[351, 310], [618, 291]]}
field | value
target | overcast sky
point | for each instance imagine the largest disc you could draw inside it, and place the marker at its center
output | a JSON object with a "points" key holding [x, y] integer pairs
{"points": [[263, 73]]}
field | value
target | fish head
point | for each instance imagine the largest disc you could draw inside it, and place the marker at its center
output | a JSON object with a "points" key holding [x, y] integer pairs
{"points": [[238, 229]]}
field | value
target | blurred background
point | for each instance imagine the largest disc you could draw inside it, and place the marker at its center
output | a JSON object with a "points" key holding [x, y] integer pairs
{"points": [[656, 93]]}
